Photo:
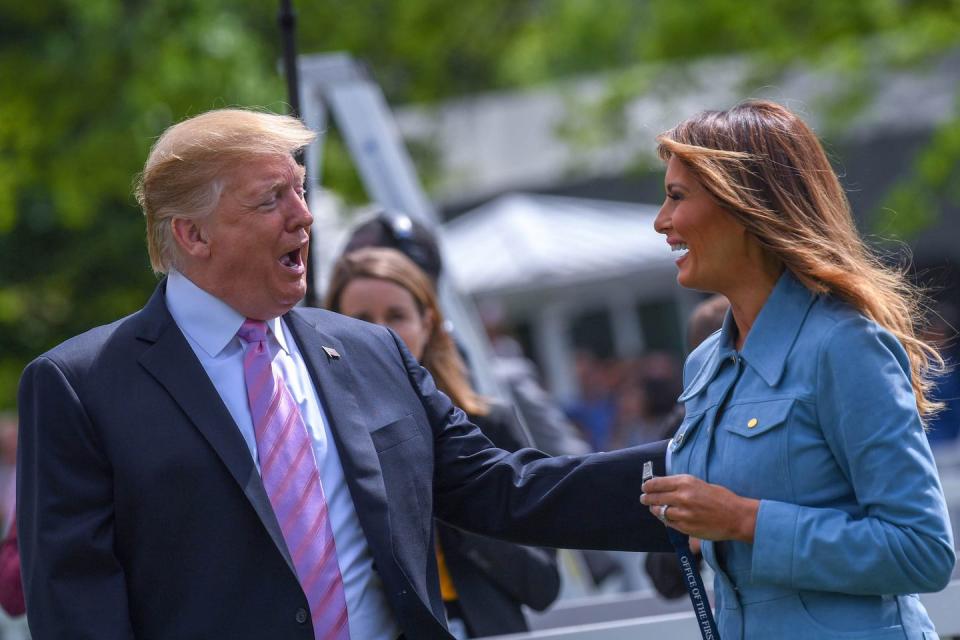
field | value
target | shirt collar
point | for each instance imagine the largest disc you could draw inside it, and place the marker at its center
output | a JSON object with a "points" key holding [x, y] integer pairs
{"points": [[776, 328], [208, 320]]}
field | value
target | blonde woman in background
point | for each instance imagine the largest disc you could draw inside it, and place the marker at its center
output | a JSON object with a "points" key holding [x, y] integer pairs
{"points": [[483, 581]]}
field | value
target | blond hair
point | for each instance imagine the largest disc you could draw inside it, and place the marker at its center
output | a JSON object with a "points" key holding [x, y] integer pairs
{"points": [[440, 355], [765, 166], [185, 172]]}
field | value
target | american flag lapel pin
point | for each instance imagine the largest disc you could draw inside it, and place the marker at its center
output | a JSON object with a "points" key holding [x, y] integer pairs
{"points": [[331, 353]]}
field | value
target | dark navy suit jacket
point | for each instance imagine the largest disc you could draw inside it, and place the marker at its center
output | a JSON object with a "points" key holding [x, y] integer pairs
{"points": [[142, 514]]}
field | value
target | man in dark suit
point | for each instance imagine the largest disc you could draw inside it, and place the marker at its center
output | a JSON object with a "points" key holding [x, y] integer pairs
{"points": [[222, 465]]}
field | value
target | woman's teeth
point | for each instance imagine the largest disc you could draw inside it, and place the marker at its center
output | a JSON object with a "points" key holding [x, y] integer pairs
{"points": [[680, 246]]}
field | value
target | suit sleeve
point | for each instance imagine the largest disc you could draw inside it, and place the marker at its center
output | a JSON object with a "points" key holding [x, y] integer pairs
{"points": [[580, 502], [528, 574], [74, 584], [502, 428], [549, 427], [900, 542]]}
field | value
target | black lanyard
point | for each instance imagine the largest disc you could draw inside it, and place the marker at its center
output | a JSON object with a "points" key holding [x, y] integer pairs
{"points": [[694, 584]]}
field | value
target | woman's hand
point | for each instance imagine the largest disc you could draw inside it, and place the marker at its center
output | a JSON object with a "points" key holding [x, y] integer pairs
{"points": [[701, 509]]}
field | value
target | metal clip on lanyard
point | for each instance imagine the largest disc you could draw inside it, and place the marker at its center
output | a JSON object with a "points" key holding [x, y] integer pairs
{"points": [[691, 575]]}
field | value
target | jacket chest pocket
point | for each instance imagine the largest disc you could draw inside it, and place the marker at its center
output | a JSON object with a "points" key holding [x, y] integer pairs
{"points": [[751, 449], [406, 461]]}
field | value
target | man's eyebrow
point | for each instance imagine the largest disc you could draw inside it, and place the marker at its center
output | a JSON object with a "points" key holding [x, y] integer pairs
{"points": [[300, 175], [269, 184]]}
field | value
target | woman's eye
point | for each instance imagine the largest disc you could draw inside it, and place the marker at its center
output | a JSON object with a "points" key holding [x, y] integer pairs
{"points": [[674, 196]]}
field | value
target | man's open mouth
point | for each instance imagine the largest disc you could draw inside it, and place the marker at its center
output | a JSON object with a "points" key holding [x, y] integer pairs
{"points": [[293, 259]]}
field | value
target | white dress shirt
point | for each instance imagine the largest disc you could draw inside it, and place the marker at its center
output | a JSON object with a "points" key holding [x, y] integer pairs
{"points": [[210, 326]]}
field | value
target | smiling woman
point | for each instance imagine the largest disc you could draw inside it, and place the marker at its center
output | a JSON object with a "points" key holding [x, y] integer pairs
{"points": [[824, 514]]}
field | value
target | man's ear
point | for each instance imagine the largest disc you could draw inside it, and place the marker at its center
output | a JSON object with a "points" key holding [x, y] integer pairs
{"points": [[191, 237]]}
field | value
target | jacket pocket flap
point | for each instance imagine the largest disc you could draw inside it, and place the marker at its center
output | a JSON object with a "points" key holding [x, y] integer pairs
{"points": [[750, 419], [394, 433]]}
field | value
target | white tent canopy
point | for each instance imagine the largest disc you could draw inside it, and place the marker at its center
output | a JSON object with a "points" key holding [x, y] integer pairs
{"points": [[548, 259], [524, 243]]}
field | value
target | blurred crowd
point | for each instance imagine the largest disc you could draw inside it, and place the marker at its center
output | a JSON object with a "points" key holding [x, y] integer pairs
{"points": [[628, 401], [944, 428], [624, 402]]}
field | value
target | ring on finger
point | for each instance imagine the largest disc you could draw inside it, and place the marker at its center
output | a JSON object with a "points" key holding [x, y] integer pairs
{"points": [[663, 513]]}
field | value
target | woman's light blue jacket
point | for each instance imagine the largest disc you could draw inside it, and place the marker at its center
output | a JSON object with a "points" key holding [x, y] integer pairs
{"points": [[817, 419]]}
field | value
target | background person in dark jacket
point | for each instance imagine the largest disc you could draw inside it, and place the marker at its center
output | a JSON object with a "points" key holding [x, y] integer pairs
{"points": [[483, 581]]}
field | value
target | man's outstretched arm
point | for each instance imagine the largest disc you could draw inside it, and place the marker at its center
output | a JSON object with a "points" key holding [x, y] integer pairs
{"points": [[585, 502]]}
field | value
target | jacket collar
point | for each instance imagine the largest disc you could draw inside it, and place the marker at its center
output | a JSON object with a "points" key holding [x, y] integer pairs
{"points": [[776, 328], [171, 361], [771, 338]]}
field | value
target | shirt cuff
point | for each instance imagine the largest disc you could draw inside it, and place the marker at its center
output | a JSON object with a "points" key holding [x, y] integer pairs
{"points": [[773, 542]]}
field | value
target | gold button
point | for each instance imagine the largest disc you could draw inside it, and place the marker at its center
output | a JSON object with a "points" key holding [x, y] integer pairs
{"points": [[752, 423]]}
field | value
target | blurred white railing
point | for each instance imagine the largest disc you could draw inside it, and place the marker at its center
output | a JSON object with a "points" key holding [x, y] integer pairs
{"points": [[942, 606], [643, 614]]}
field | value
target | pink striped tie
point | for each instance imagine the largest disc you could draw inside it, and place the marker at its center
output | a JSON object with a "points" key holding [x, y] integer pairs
{"points": [[289, 472]]}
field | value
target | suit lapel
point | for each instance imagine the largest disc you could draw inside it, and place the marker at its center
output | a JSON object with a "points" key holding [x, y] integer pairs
{"points": [[334, 382], [329, 365], [172, 362]]}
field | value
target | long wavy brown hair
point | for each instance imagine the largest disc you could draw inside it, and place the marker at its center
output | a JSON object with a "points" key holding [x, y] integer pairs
{"points": [[440, 355], [766, 167]]}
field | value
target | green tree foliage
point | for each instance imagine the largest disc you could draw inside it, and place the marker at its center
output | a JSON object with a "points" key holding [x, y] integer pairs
{"points": [[87, 85], [420, 50], [852, 41]]}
